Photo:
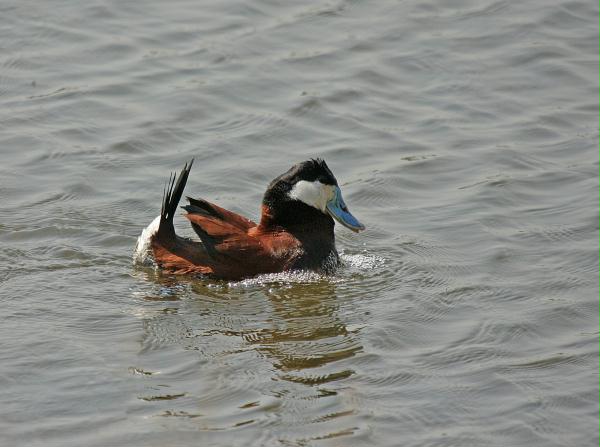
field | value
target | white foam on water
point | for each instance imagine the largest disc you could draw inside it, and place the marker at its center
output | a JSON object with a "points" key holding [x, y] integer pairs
{"points": [[283, 278], [356, 263], [362, 261]]}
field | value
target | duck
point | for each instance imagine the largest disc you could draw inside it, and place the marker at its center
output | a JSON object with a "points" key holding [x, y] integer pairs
{"points": [[295, 232]]}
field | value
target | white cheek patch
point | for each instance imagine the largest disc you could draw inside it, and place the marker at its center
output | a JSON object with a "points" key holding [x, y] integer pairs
{"points": [[315, 194]]}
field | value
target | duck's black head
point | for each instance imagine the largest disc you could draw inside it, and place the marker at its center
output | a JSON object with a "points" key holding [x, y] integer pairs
{"points": [[308, 193]]}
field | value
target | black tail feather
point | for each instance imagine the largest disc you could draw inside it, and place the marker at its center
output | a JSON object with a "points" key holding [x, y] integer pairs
{"points": [[171, 197]]}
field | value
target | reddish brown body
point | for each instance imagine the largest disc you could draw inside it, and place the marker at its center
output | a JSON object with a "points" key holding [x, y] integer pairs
{"points": [[233, 247]]}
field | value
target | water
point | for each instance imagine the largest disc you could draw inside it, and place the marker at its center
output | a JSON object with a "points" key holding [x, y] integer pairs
{"points": [[464, 135]]}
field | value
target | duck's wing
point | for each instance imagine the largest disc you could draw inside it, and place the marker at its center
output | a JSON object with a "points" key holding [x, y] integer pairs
{"points": [[205, 208], [215, 225], [236, 249]]}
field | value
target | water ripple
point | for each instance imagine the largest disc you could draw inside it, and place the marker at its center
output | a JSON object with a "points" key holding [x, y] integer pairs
{"points": [[464, 134]]}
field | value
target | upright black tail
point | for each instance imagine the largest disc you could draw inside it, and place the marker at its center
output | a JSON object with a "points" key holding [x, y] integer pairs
{"points": [[171, 196]]}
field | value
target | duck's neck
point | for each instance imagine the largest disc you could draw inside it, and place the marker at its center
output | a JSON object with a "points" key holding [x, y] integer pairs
{"points": [[312, 228], [296, 217]]}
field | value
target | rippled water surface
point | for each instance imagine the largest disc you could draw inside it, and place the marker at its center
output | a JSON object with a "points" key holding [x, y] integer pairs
{"points": [[464, 135]]}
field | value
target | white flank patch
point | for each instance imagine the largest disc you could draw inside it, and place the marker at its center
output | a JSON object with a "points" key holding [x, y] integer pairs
{"points": [[143, 250], [315, 194]]}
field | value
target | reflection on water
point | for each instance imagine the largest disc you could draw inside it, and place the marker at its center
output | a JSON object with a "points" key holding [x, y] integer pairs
{"points": [[232, 330], [306, 333]]}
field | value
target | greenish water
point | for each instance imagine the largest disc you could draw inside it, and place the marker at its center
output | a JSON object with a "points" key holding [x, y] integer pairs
{"points": [[464, 135]]}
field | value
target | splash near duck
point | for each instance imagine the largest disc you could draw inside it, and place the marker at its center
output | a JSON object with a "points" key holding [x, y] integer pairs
{"points": [[295, 231]]}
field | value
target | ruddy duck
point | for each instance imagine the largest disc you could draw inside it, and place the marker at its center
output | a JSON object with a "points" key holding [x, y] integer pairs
{"points": [[295, 230]]}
